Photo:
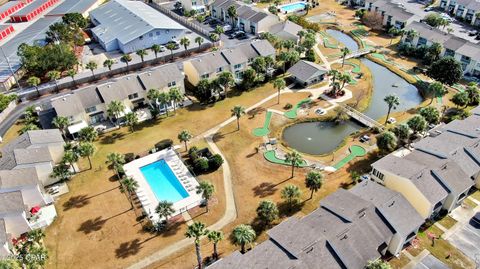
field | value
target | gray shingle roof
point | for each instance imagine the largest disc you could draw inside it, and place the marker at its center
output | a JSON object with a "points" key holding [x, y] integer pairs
{"points": [[159, 77], [11, 202], [209, 62], [239, 54], [426, 31], [18, 177], [38, 137], [287, 27], [263, 48], [304, 70], [127, 20], [68, 105], [120, 88], [393, 206], [32, 155], [89, 96]]}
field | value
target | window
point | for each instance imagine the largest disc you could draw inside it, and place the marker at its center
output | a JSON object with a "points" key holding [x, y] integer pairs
{"points": [[220, 69], [158, 32], [205, 76], [150, 35], [91, 109], [167, 31], [377, 173], [140, 37], [237, 66], [133, 96], [171, 84]]}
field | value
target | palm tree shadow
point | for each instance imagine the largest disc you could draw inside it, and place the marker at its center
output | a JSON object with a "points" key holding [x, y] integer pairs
{"points": [[111, 138], [252, 113], [286, 210], [92, 225], [264, 189], [78, 201], [128, 249]]}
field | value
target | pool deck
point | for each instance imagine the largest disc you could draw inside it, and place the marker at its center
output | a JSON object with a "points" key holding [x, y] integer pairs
{"points": [[147, 196]]}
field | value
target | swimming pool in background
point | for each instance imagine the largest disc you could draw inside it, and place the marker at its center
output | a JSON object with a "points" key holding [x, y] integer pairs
{"points": [[163, 182], [293, 7]]}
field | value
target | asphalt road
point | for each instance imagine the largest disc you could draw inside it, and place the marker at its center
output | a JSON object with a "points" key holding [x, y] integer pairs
{"points": [[467, 240]]}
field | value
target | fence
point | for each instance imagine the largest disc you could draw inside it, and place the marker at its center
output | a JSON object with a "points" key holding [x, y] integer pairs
{"points": [[7, 110]]}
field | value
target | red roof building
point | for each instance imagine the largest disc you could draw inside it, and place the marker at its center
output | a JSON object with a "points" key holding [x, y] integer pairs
{"points": [[32, 10], [5, 30]]}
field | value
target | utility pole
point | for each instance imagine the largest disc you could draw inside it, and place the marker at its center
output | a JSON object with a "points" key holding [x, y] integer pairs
{"points": [[11, 70]]}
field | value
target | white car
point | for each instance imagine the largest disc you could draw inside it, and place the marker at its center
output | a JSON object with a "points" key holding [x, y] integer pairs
{"points": [[391, 120], [227, 27]]}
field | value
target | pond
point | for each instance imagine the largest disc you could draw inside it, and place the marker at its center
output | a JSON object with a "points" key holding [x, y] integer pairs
{"points": [[322, 137]]}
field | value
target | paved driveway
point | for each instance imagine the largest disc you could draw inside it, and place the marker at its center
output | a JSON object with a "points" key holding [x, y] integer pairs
{"points": [[467, 240]]}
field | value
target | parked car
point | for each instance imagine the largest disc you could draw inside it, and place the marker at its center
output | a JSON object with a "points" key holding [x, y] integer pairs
{"points": [[473, 33], [446, 17], [391, 120], [364, 138], [365, 177], [241, 36], [177, 5], [428, 9], [175, 42], [227, 27], [214, 22], [235, 34]]}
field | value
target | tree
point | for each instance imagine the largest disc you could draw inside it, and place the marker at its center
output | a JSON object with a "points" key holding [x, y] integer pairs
{"points": [[378, 264], [373, 20], [206, 189], [71, 73], [219, 30], [290, 194], [59, 32], [61, 123], [203, 91], [249, 76], [86, 150], [417, 123], [185, 42], [288, 44], [446, 70], [314, 182], [164, 99], [126, 58], [402, 131], [279, 84], [259, 65], [88, 134], [34, 81], [226, 80], [91, 66], [70, 157], [199, 40], [108, 63], [386, 142], [345, 51], [431, 114], [301, 34], [473, 93], [142, 53], [243, 234], [232, 14], [29, 127], [165, 209], [433, 53], [393, 32], [237, 112], [54, 76], [197, 230], [185, 136], [75, 20], [156, 49], [295, 159], [114, 109], [392, 101], [129, 185], [171, 47], [267, 212], [116, 160], [38, 60], [215, 237], [61, 172], [433, 19], [460, 99], [131, 119], [175, 96], [10, 264], [436, 89]]}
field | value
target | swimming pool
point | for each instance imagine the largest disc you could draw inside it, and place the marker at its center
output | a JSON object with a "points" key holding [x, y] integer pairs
{"points": [[293, 7], [163, 182]]}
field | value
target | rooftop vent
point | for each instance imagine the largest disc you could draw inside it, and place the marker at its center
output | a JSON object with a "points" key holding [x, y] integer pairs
{"points": [[109, 86], [391, 204]]}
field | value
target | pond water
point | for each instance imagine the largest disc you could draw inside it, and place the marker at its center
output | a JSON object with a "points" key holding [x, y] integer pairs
{"points": [[322, 137]]}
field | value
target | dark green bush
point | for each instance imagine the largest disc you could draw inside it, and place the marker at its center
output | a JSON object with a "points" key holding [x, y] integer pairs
{"points": [[166, 143], [215, 162], [200, 165]]}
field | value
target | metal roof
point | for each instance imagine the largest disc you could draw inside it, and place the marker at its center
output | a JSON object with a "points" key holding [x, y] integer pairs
{"points": [[30, 8], [72, 6], [127, 20], [9, 5]]}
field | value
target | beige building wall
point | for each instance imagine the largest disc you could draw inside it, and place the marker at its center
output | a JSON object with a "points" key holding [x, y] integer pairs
{"points": [[191, 73]]}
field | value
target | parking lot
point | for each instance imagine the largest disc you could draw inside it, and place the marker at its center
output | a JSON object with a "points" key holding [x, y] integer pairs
{"points": [[467, 237]]}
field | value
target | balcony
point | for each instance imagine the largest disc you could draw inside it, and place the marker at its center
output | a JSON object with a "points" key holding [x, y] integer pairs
{"points": [[43, 217]]}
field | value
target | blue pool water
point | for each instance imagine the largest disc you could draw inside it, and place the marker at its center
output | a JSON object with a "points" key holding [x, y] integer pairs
{"points": [[163, 182], [293, 7]]}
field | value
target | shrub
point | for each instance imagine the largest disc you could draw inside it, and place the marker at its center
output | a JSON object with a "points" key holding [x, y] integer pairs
{"points": [[288, 106], [193, 153], [215, 162], [200, 165], [166, 143], [129, 157], [5, 100]]}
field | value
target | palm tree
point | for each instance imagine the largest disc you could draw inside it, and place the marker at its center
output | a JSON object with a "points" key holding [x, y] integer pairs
{"points": [[279, 84], [295, 159], [267, 211], [71, 73], [171, 47], [199, 40], [232, 14], [386, 142], [164, 99], [290, 194], [142, 53], [393, 31], [88, 134], [301, 34], [243, 234], [54, 76], [238, 111], [185, 136], [197, 230], [314, 182], [185, 42], [126, 58], [392, 101], [345, 51], [61, 123], [114, 109], [86, 150], [70, 157], [116, 160], [91, 66], [436, 89], [131, 120], [175, 96], [206, 189], [402, 131], [152, 95], [288, 44], [129, 185], [165, 209], [215, 237], [214, 37], [34, 81], [108, 63], [156, 49], [219, 30], [226, 80], [61, 172]]}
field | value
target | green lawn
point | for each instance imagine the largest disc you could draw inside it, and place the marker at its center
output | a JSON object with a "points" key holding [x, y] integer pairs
{"points": [[271, 157], [263, 131], [292, 113], [447, 222]]}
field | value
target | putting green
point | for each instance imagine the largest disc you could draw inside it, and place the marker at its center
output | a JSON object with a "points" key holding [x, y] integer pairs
{"points": [[263, 131], [355, 151], [329, 45], [270, 156], [292, 113], [356, 67]]}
